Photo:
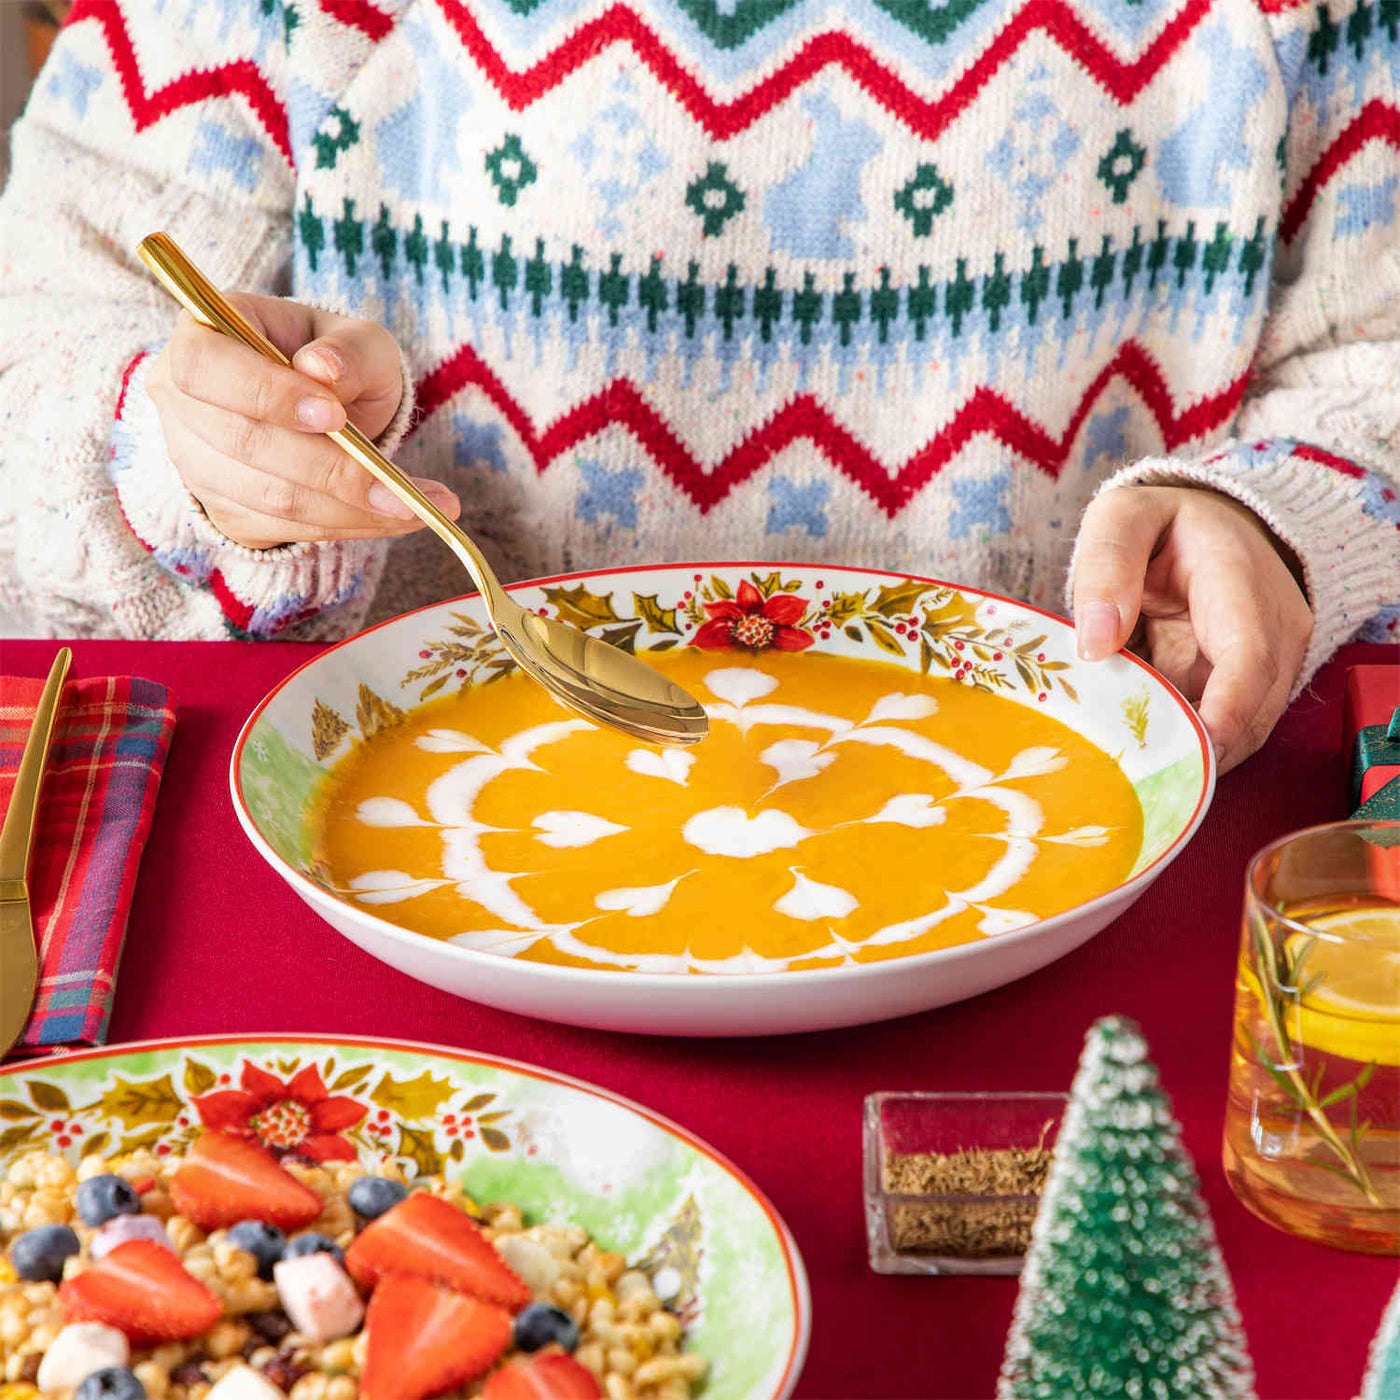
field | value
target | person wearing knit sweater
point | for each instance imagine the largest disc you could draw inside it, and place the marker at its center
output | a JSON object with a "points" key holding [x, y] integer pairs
{"points": [[939, 288]]}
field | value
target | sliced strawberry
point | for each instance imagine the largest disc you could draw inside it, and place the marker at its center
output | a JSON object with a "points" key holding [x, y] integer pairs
{"points": [[142, 1289], [425, 1235], [550, 1375], [422, 1338], [225, 1179]]}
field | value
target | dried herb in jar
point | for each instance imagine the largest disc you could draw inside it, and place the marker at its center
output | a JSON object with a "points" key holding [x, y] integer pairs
{"points": [[964, 1216]]}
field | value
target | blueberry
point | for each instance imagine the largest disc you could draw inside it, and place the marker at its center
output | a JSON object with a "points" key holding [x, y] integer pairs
{"points": [[371, 1196], [38, 1254], [313, 1243], [99, 1198], [111, 1383], [263, 1241], [541, 1323]]}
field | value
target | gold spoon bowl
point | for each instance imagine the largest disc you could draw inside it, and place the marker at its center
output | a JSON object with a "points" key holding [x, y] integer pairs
{"points": [[601, 682]]}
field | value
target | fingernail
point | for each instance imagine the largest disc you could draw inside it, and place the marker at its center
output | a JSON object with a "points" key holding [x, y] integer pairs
{"points": [[443, 497], [1096, 630], [318, 414], [326, 360], [383, 501], [1219, 748]]}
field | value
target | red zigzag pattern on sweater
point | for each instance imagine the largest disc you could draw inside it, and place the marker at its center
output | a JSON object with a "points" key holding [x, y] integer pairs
{"points": [[805, 418], [621, 24], [1378, 120], [149, 106], [361, 15]]}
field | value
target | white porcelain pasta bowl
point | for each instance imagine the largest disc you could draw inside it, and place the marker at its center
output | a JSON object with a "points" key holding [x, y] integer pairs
{"points": [[737, 613]]}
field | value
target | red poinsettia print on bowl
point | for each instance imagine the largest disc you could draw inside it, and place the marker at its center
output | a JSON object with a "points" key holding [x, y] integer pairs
{"points": [[751, 622], [296, 1115]]}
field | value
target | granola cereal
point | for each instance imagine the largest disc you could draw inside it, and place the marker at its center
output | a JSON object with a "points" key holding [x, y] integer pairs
{"points": [[626, 1338]]}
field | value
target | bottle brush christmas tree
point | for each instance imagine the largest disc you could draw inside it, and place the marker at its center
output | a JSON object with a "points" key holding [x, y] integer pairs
{"points": [[1383, 1365], [1124, 1292]]}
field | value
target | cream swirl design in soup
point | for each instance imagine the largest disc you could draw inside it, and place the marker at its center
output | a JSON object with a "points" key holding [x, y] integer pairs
{"points": [[841, 811]]}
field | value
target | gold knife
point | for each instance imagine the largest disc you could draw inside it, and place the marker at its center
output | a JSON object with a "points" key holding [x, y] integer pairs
{"points": [[19, 960]]}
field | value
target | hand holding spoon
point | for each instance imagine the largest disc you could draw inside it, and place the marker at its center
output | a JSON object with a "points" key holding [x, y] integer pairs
{"points": [[603, 683]]}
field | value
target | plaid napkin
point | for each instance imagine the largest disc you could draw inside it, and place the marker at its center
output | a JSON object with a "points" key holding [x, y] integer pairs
{"points": [[99, 792]]}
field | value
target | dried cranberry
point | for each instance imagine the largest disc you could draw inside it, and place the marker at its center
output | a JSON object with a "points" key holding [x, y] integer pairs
{"points": [[190, 1373], [270, 1326], [283, 1371]]}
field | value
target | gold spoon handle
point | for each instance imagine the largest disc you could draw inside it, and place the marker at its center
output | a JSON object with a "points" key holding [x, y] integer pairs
{"points": [[193, 290]]}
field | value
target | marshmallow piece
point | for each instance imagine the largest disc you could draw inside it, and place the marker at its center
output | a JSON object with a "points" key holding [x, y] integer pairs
{"points": [[666, 1283], [244, 1383], [79, 1350], [319, 1296], [122, 1229], [531, 1262]]}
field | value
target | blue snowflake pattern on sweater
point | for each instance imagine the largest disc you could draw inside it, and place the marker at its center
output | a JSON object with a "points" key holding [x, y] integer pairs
{"points": [[477, 443], [980, 506], [74, 82], [608, 491], [619, 154], [797, 505], [1031, 154], [1106, 436], [220, 148], [1365, 205], [1379, 499]]}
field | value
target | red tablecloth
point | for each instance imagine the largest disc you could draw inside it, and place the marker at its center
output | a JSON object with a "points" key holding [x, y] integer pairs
{"points": [[218, 943]]}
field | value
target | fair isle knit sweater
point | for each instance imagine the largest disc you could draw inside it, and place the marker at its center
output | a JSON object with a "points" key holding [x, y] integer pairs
{"points": [[899, 283]]}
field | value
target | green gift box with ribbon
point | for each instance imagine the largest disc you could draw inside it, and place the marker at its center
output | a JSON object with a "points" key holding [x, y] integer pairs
{"points": [[1373, 734]]}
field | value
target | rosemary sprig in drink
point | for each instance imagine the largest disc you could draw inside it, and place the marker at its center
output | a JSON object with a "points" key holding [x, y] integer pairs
{"points": [[1281, 986]]}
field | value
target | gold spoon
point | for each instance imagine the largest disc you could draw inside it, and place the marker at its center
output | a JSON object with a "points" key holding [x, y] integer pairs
{"points": [[602, 682]]}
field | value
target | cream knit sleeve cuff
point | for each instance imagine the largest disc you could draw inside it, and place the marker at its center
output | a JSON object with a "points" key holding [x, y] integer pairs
{"points": [[1340, 519], [259, 591]]}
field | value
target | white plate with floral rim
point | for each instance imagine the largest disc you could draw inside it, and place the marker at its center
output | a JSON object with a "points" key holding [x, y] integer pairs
{"points": [[561, 1149], [737, 612]]}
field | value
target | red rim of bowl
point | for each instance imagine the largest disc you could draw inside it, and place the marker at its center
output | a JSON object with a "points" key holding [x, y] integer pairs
{"points": [[792, 1258], [856, 972]]}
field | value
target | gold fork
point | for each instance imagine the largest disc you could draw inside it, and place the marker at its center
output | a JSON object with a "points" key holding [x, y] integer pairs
{"points": [[19, 959]]}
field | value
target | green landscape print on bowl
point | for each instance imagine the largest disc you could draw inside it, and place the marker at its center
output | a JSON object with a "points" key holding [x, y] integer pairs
{"points": [[930, 628], [558, 1151]]}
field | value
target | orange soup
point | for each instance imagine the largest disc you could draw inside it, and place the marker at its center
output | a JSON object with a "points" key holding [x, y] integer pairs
{"points": [[841, 810]]}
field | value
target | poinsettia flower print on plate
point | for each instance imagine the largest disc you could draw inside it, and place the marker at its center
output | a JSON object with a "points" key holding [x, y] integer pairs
{"points": [[739, 628]]}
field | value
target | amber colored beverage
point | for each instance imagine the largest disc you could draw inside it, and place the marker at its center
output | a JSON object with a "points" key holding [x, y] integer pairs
{"points": [[1312, 1121]]}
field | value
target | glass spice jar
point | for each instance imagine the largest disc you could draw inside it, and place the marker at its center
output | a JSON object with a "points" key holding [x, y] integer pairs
{"points": [[952, 1181]]}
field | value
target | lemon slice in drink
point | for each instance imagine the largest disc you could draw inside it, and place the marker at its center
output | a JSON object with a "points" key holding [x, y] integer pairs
{"points": [[1352, 1007]]}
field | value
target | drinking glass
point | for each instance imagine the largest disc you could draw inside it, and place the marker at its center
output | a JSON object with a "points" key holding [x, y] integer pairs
{"points": [[1312, 1120]]}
